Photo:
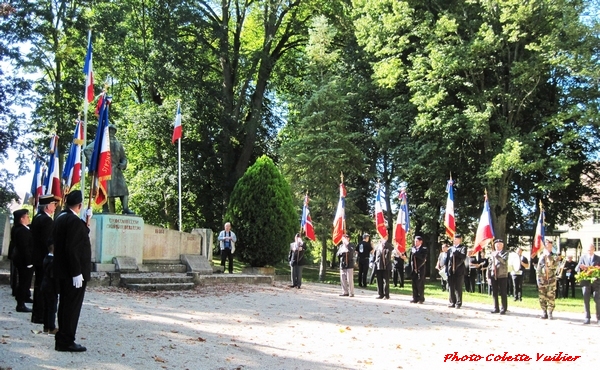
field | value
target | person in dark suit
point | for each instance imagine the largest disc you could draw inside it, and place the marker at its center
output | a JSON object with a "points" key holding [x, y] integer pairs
{"points": [[418, 259], [50, 293], [364, 249], [41, 229], [72, 265], [590, 288], [569, 277], [296, 260], [383, 268], [498, 275], [455, 268], [22, 242]]}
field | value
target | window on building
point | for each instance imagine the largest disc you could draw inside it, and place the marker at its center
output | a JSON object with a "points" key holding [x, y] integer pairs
{"points": [[596, 216], [597, 243]]}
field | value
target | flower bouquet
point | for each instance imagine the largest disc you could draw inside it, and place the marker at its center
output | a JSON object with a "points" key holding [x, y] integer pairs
{"points": [[591, 273]]}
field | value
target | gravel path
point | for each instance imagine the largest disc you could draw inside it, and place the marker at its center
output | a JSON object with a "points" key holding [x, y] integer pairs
{"points": [[273, 327]]}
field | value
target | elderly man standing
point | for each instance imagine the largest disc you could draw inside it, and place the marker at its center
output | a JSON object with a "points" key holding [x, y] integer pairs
{"points": [[72, 267], [346, 254], [41, 229], [455, 268], [227, 240], [498, 273], [383, 268], [418, 259], [546, 280], [590, 288]]}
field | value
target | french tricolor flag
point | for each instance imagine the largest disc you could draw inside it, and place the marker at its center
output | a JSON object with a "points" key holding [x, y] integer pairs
{"points": [[339, 221], [449, 221], [485, 232], [538, 240], [89, 75], [72, 171], [402, 223], [177, 131], [53, 179], [379, 217]]}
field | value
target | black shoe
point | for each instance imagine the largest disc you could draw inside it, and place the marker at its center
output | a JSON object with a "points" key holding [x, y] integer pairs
{"points": [[544, 317], [586, 322], [72, 348], [23, 308], [379, 297], [503, 312], [291, 286], [297, 286], [451, 305], [495, 311], [386, 297], [413, 301], [421, 302], [458, 306], [344, 295]]}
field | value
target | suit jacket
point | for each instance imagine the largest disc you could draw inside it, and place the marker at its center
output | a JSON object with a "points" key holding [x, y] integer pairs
{"points": [[296, 257], [455, 261], [22, 243], [588, 260], [418, 258], [498, 264], [72, 248], [41, 228], [383, 257]]}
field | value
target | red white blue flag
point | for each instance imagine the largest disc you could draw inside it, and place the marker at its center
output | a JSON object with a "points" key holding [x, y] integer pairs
{"points": [[101, 164], [37, 185], [402, 223], [89, 74], [177, 130], [379, 217], [72, 171], [449, 221], [306, 222], [52, 184], [485, 232], [539, 239], [339, 221]]}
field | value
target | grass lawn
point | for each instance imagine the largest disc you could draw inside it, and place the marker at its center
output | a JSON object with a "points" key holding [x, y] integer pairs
{"points": [[432, 289]]}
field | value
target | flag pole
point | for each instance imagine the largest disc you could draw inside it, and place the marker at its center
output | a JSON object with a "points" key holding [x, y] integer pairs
{"points": [[85, 114], [343, 218], [179, 179]]}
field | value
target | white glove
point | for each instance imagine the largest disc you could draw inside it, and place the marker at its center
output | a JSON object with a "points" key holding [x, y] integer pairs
{"points": [[78, 281], [89, 213], [29, 266]]}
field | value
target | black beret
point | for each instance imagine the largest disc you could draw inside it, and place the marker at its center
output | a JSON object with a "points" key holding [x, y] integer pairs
{"points": [[498, 241], [458, 236], [418, 237], [74, 198], [18, 214], [46, 199]]}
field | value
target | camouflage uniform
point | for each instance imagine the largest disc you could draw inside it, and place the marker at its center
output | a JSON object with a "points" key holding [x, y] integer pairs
{"points": [[546, 280]]}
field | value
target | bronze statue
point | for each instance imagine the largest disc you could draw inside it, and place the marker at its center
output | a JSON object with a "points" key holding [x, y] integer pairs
{"points": [[117, 187]]}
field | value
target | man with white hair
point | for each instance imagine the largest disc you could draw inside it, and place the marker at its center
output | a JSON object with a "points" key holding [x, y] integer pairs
{"points": [[590, 288], [227, 240]]}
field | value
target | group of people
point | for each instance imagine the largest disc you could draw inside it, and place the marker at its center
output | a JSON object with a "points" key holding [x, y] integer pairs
{"points": [[58, 253]]}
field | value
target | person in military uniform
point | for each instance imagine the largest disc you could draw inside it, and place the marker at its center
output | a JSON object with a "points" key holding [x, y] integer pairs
{"points": [[364, 250], [546, 280], [455, 269], [418, 259], [41, 229], [568, 276], [117, 187], [498, 274]]}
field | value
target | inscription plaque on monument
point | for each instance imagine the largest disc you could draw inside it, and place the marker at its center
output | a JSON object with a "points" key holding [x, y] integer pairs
{"points": [[118, 235]]}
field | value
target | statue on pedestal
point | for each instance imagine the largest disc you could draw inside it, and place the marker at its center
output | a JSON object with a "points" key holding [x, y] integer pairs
{"points": [[117, 187]]}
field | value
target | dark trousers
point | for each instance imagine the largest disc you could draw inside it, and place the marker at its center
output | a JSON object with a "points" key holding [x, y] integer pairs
{"points": [[418, 287], [472, 280], [24, 284], [297, 276], [50, 306], [383, 283], [37, 314], [467, 281], [14, 278], [69, 309], [518, 286], [455, 284], [363, 268], [499, 286], [399, 275], [226, 255], [570, 281], [591, 290], [372, 275]]}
